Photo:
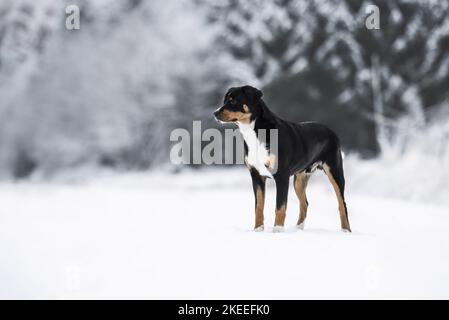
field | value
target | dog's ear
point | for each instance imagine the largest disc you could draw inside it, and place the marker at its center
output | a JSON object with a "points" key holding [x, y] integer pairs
{"points": [[253, 94]]}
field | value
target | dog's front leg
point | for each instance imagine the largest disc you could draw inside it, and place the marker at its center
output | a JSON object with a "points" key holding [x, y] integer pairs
{"points": [[259, 195], [281, 201]]}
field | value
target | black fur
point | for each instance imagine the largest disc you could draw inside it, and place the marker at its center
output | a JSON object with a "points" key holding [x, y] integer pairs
{"points": [[300, 145]]}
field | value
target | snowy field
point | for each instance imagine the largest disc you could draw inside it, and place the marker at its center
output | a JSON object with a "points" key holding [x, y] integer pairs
{"points": [[188, 236]]}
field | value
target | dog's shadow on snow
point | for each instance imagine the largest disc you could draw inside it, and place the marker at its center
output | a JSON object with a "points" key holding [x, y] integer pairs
{"points": [[308, 231]]}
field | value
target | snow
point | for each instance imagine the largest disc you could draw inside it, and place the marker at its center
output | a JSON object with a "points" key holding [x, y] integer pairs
{"points": [[189, 236]]}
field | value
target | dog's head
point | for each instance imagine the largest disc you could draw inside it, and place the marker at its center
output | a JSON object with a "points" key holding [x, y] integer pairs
{"points": [[240, 105]]}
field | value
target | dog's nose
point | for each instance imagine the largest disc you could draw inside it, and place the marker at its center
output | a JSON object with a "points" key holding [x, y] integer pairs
{"points": [[216, 113]]}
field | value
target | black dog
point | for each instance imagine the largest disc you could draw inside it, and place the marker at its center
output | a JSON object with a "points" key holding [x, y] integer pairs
{"points": [[301, 149]]}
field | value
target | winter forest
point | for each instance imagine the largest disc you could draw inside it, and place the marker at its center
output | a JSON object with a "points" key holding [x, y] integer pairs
{"points": [[98, 105], [110, 93]]}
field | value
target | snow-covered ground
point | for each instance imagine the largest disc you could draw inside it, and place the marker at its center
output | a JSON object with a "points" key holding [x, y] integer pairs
{"points": [[189, 236]]}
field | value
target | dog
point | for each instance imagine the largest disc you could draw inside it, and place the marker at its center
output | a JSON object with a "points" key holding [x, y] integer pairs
{"points": [[301, 149]]}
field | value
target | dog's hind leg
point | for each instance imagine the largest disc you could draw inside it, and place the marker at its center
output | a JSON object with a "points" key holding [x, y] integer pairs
{"points": [[334, 171], [259, 195], [281, 202], [300, 184]]}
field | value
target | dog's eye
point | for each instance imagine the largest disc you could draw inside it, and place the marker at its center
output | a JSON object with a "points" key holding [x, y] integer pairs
{"points": [[232, 101]]}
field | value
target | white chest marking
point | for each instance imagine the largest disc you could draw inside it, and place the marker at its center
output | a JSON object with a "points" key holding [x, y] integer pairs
{"points": [[258, 156]]}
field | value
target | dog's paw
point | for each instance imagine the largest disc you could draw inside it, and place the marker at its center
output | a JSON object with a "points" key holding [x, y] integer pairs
{"points": [[346, 230], [278, 229], [259, 229], [300, 226]]}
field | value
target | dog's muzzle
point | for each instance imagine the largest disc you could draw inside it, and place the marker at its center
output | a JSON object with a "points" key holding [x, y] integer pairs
{"points": [[217, 114]]}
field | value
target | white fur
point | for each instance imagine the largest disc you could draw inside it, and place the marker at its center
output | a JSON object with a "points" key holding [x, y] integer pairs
{"points": [[259, 229], [315, 166], [278, 229], [258, 154], [300, 226]]}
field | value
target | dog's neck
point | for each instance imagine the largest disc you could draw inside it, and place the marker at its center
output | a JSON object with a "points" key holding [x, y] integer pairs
{"points": [[261, 120], [265, 111], [246, 127], [257, 153], [262, 116]]}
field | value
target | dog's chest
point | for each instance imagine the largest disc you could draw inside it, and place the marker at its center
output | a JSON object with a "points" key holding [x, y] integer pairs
{"points": [[258, 156]]}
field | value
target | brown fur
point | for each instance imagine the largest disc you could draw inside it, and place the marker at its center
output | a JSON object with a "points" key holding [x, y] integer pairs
{"points": [[341, 204], [300, 184], [260, 202], [235, 116], [280, 216]]}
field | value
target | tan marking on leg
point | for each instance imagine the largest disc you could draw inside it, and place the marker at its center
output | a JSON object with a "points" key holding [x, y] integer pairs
{"points": [[300, 189], [280, 216], [341, 204], [260, 202]]}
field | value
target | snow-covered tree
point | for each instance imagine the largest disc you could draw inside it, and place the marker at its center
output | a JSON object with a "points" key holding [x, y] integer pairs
{"points": [[315, 59], [107, 94]]}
